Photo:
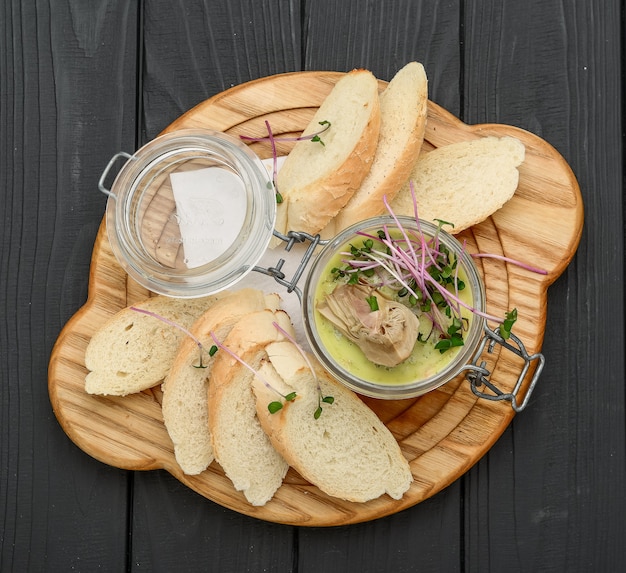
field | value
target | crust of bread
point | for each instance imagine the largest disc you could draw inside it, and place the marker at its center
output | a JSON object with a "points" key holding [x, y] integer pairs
{"points": [[185, 388], [403, 110], [463, 183], [133, 351], [239, 443], [347, 452], [317, 180]]}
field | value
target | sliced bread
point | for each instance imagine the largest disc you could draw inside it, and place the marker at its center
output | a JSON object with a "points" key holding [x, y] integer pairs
{"points": [[185, 410], [133, 351], [317, 180], [403, 106], [347, 451], [463, 183], [240, 445]]}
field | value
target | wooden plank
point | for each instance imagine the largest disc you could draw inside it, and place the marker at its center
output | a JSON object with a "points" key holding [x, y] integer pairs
{"points": [[390, 34], [550, 494], [67, 103], [185, 532], [218, 45]]}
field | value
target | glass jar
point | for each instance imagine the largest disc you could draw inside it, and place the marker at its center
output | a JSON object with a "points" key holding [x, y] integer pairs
{"points": [[344, 359], [190, 213]]}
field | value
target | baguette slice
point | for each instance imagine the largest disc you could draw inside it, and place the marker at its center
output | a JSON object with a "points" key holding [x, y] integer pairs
{"points": [[185, 410], [241, 446], [347, 452], [403, 107], [463, 183], [133, 351], [317, 180]]}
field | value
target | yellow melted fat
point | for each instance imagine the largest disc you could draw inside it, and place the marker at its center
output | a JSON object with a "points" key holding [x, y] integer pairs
{"points": [[425, 361]]}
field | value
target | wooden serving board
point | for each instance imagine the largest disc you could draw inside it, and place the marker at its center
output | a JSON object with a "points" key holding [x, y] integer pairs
{"points": [[442, 433]]}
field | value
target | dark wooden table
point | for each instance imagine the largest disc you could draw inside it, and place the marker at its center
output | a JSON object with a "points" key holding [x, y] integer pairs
{"points": [[83, 80]]}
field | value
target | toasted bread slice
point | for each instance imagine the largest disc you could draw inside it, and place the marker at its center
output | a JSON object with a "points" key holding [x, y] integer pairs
{"points": [[463, 183], [403, 106], [317, 180], [185, 411], [133, 351], [240, 445], [347, 451]]}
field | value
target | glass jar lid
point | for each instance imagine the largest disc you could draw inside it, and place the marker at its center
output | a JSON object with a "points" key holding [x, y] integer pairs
{"points": [[191, 213]]}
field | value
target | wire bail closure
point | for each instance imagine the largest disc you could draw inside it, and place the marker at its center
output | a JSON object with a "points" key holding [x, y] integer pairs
{"points": [[477, 374], [292, 238]]}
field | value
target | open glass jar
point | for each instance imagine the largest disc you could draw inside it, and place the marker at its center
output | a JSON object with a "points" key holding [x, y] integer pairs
{"points": [[375, 258], [190, 213]]}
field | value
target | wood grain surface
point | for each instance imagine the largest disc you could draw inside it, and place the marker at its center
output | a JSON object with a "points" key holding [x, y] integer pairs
{"points": [[442, 433]]}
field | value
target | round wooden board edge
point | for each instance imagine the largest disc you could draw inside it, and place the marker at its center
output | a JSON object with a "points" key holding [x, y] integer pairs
{"points": [[396, 506]]}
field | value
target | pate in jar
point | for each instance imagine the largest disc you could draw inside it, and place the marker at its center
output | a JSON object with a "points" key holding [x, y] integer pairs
{"points": [[393, 306]]}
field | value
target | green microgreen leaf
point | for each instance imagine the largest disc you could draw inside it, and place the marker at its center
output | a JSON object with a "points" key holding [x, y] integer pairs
{"points": [[290, 397], [326, 400], [507, 325], [447, 343], [438, 299], [441, 223], [455, 327], [373, 302], [274, 407], [354, 278]]}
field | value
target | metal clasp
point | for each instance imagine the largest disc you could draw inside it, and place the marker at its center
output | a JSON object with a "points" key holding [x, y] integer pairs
{"points": [[292, 238], [108, 168], [478, 374]]}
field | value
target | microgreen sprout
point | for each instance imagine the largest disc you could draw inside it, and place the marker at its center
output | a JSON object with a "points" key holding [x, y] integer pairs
{"points": [[507, 325], [180, 327], [320, 397], [373, 302], [512, 261], [423, 272], [274, 406], [315, 137]]}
